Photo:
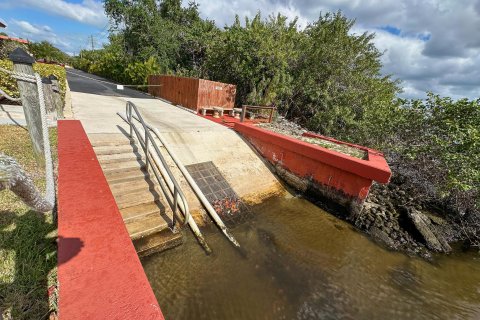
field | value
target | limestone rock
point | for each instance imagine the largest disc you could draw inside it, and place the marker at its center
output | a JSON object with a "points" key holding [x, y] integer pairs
{"points": [[434, 240]]}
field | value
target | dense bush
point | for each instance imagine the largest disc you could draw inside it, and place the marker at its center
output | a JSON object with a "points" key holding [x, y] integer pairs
{"points": [[110, 63], [257, 57], [9, 85], [440, 140]]}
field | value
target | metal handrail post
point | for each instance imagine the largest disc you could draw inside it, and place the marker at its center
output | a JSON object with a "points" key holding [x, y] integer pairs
{"points": [[243, 114], [175, 203], [146, 148], [129, 113], [152, 152]]}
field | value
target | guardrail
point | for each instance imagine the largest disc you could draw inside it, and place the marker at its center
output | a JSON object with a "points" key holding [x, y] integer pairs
{"points": [[155, 161]]}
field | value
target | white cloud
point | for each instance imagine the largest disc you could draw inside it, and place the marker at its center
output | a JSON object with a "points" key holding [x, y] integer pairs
{"points": [[88, 11], [27, 28], [438, 48]]}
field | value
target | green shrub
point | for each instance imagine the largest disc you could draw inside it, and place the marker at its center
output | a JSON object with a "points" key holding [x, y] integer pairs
{"points": [[9, 84], [444, 136]]}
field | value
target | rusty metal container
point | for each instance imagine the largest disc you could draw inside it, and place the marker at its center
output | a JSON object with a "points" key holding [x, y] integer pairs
{"points": [[193, 93]]}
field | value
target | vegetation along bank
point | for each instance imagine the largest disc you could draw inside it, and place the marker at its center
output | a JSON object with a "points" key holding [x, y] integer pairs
{"points": [[328, 79]]}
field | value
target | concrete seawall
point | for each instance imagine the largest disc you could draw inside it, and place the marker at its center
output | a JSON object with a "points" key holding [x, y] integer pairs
{"points": [[338, 177]]}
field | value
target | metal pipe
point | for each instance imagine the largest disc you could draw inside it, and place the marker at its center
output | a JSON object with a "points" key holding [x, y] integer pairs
{"points": [[183, 205], [194, 186], [243, 114], [171, 183], [197, 190]]}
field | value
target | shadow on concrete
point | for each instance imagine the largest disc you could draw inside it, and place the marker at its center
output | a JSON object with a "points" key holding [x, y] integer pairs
{"points": [[153, 187], [2, 108], [70, 248]]}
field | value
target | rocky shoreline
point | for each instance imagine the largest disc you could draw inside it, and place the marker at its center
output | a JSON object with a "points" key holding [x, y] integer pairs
{"points": [[392, 215]]}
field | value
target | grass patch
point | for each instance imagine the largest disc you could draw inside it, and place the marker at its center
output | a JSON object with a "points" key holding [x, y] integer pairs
{"points": [[342, 148], [28, 247]]}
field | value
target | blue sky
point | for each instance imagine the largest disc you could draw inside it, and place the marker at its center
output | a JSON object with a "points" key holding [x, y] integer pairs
{"points": [[68, 24], [429, 45]]}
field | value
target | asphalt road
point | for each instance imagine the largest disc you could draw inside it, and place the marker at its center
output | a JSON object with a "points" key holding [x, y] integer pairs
{"points": [[80, 81]]}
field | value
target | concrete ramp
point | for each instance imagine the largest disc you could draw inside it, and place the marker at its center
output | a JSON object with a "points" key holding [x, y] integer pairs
{"points": [[198, 140], [193, 139]]}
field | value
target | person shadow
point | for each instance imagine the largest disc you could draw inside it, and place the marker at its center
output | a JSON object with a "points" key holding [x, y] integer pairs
{"points": [[28, 242]]}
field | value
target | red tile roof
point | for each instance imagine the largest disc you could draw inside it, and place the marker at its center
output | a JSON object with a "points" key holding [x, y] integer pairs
{"points": [[13, 39]]}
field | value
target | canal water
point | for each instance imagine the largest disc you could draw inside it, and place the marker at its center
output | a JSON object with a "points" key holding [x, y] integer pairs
{"points": [[299, 262]]}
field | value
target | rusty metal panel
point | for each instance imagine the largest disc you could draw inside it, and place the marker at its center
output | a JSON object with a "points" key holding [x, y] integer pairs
{"points": [[216, 94], [178, 90], [193, 93], [219, 193]]}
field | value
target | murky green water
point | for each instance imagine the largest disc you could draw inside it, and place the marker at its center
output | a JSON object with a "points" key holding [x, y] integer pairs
{"points": [[302, 263]]}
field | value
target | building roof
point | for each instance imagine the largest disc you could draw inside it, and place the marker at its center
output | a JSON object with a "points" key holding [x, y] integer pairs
{"points": [[13, 39]]}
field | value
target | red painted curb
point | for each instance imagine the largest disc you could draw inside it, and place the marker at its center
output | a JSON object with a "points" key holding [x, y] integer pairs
{"points": [[379, 169], [100, 275], [350, 175]]}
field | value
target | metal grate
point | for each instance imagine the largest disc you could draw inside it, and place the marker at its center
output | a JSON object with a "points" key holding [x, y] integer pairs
{"points": [[219, 193]]}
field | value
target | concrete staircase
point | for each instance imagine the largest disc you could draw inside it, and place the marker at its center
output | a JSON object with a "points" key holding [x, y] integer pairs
{"points": [[139, 198]]}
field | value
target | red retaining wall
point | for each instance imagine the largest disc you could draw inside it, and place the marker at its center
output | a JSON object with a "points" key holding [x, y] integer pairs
{"points": [[100, 275], [349, 175]]}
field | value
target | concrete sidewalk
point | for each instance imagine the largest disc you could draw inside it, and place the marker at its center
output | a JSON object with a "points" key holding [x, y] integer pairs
{"points": [[14, 115]]}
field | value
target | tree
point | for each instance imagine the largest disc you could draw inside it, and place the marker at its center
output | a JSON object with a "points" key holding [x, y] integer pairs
{"points": [[257, 58], [338, 79], [45, 50], [174, 35]]}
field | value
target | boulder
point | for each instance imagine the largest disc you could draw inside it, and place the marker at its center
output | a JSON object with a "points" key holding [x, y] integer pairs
{"points": [[433, 238]]}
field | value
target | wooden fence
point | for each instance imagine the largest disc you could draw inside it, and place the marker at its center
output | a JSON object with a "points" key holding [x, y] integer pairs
{"points": [[193, 93]]}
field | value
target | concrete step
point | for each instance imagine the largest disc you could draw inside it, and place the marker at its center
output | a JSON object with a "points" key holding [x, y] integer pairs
{"points": [[139, 199], [136, 198], [109, 139], [124, 176], [138, 211], [157, 242], [133, 186], [146, 225], [126, 148], [112, 143], [112, 174], [122, 164], [118, 157]]}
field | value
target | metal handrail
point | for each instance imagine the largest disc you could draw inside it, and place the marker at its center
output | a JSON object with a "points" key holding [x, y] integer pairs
{"points": [[147, 142]]}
